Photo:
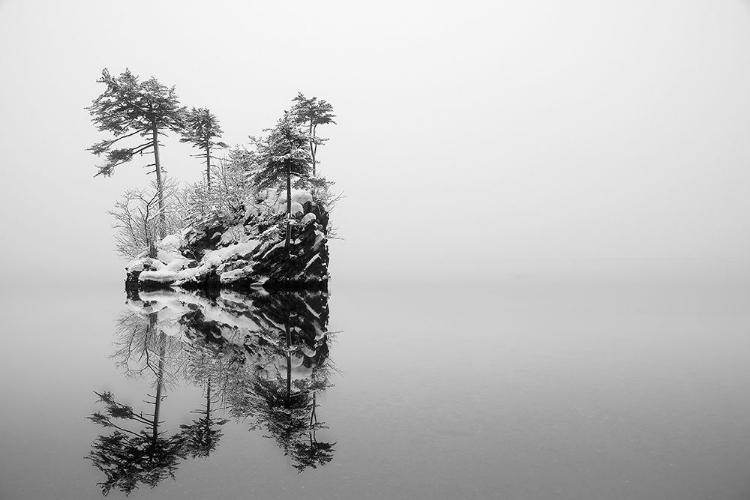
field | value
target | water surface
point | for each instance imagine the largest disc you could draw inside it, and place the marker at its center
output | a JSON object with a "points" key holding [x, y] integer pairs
{"points": [[524, 390]]}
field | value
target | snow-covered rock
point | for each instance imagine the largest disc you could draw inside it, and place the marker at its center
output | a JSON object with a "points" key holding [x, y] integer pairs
{"points": [[250, 253]]}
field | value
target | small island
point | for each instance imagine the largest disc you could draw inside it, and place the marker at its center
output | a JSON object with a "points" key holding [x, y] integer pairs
{"points": [[259, 218], [246, 250]]}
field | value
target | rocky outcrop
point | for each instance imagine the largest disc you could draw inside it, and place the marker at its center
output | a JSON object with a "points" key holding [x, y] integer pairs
{"points": [[245, 253]]}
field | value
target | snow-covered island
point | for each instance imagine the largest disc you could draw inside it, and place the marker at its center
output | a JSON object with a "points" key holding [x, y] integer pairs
{"points": [[248, 251], [259, 217]]}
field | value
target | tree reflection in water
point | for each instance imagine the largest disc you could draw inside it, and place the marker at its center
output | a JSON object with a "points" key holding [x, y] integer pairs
{"points": [[280, 400], [203, 434], [128, 457], [146, 455], [260, 357]]}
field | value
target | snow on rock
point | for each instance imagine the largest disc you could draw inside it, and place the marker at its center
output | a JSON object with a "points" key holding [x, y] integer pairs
{"points": [[311, 261], [247, 251], [179, 264], [307, 219], [236, 274], [144, 264], [300, 196], [171, 243], [160, 276], [168, 249], [216, 257], [234, 234], [297, 208]]}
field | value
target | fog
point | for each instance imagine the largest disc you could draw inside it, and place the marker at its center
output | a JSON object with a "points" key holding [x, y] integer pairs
{"points": [[476, 141]]}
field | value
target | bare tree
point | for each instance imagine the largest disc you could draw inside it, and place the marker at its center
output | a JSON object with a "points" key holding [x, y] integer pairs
{"points": [[138, 215], [227, 195]]}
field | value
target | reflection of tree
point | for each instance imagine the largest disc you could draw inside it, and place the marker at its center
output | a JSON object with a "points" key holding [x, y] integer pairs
{"points": [[290, 418], [128, 457], [281, 405], [308, 452], [263, 357], [144, 349], [202, 436]]}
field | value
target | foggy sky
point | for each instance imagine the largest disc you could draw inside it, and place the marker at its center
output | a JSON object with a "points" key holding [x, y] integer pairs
{"points": [[475, 140]]}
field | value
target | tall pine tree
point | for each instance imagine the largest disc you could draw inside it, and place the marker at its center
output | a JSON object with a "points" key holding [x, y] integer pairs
{"points": [[129, 108]]}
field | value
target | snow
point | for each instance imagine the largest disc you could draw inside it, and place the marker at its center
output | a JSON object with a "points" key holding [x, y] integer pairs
{"points": [[236, 274], [235, 234], [231, 260], [307, 351], [191, 274], [161, 276], [135, 265], [314, 313], [314, 258], [251, 211], [319, 237], [216, 257], [143, 263], [297, 208], [171, 242], [178, 264], [308, 218], [300, 196], [177, 272], [168, 249]]}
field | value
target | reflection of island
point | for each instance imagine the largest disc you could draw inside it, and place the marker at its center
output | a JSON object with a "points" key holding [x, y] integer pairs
{"points": [[262, 357]]}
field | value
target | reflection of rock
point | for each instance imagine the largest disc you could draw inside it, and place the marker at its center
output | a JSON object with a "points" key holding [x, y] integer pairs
{"points": [[244, 253], [244, 329]]}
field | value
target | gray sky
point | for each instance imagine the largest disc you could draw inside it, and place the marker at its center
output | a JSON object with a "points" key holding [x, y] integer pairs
{"points": [[474, 139]]}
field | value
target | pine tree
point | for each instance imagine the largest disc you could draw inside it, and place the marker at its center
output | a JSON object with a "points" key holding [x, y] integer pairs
{"points": [[311, 113], [283, 154], [129, 108], [201, 130]]}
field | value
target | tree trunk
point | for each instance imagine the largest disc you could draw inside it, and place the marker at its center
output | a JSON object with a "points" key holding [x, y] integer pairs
{"points": [[312, 149], [209, 437], [208, 166], [288, 208], [208, 398], [159, 384], [159, 185], [288, 361]]}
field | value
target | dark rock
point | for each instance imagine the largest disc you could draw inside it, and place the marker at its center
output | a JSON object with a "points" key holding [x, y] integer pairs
{"points": [[304, 265]]}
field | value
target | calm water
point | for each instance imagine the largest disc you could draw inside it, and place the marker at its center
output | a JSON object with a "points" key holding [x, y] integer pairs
{"points": [[530, 390]]}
